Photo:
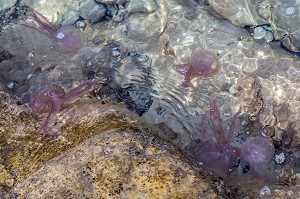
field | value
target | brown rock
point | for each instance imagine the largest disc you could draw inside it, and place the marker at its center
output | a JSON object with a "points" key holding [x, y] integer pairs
{"points": [[102, 151]]}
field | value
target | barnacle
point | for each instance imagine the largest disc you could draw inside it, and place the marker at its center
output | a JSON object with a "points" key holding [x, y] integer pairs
{"points": [[49, 100]]}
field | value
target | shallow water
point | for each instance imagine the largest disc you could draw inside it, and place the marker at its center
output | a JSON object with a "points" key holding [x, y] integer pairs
{"points": [[135, 57]]}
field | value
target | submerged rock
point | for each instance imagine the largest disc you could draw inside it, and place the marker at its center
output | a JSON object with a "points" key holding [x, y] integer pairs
{"points": [[112, 1], [67, 11], [92, 11], [283, 16], [4, 4], [146, 6], [115, 164]]}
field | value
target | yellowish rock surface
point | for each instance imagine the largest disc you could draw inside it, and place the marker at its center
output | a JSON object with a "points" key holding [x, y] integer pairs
{"points": [[102, 151]]}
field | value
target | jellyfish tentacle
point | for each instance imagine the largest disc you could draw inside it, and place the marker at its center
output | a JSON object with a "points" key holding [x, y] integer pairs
{"points": [[54, 108], [40, 23], [216, 120], [234, 128]]}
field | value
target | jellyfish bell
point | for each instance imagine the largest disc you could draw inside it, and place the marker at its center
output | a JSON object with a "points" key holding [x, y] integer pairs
{"points": [[68, 39], [203, 64]]}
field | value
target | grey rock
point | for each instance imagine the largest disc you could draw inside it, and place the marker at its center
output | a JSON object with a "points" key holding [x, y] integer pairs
{"points": [[111, 10], [263, 32], [118, 17], [112, 1], [4, 4], [259, 32], [92, 11], [269, 36], [286, 23], [138, 29], [72, 17], [68, 11], [239, 12], [292, 42], [283, 16], [146, 6], [55, 11]]}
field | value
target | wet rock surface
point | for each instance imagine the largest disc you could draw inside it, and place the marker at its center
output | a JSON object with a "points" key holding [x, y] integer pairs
{"points": [[112, 1], [7, 4], [68, 11], [104, 151], [92, 11], [146, 6], [283, 17]]}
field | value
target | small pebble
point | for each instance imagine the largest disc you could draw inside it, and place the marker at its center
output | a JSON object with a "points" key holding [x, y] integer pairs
{"points": [[259, 32], [235, 90], [89, 64], [118, 17], [60, 35]]}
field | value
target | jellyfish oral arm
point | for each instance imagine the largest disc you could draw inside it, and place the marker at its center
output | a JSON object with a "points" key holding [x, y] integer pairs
{"points": [[40, 23], [53, 110], [79, 91]]}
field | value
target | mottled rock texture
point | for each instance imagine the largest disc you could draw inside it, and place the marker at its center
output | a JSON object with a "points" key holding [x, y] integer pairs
{"points": [[92, 11], [4, 4], [145, 6], [68, 11], [103, 151], [283, 16], [112, 1]]}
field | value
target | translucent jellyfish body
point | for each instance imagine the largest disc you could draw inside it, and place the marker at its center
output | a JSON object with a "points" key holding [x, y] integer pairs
{"points": [[255, 156], [201, 64], [67, 39], [217, 152]]}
